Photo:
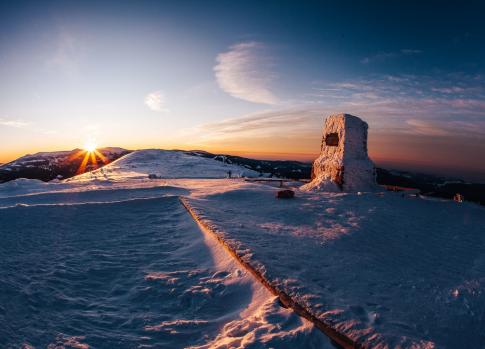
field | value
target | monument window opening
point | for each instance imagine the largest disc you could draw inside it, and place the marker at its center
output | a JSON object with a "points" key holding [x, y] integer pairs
{"points": [[331, 139]]}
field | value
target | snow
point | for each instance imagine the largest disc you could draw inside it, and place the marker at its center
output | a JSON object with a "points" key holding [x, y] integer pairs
{"points": [[23, 186], [164, 164], [130, 268], [53, 154], [114, 150], [135, 220], [386, 270]]}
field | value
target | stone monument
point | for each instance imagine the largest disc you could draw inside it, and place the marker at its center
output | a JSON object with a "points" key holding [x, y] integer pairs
{"points": [[343, 164]]}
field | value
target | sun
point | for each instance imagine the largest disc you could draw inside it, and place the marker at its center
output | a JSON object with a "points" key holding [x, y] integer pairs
{"points": [[90, 146], [91, 157]]}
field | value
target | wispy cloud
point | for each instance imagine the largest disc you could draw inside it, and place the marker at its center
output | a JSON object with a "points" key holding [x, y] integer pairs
{"points": [[156, 101], [409, 51], [270, 131], [66, 54], [436, 106], [285, 123], [403, 105], [412, 119], [244, 72], [448, 90], [13, 123], [427, 128], [382, 56]]}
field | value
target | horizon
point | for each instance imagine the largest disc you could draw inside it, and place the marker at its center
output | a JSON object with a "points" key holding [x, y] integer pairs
{"points": [[241, 174], [388, 164], [254, 80]]}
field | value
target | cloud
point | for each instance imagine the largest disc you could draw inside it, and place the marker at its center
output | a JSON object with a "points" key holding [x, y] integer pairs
{"points": [[448, 128], [156, 101], [408, 51], [13, 123], [448, 90], [244, 72], [410, 119], [410, 122], [378, 57], [427, 128], [446, 105], [406, 105], [283, 123], [66, 54], [382, 56], [266, 133]]}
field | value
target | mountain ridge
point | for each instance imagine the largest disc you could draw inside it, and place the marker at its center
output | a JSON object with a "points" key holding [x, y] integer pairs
{"points": [[47, 166], [37, 166]]}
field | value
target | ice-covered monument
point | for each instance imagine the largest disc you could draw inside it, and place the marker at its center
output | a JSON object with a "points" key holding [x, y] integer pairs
{"points": [[343, 164]]}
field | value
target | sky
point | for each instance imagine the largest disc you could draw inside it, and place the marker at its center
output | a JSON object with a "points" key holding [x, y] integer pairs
{"points": [[253, 78]]}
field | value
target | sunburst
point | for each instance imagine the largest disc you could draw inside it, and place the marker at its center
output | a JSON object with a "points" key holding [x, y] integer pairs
{"points": [[90, 146], [89, 154]]}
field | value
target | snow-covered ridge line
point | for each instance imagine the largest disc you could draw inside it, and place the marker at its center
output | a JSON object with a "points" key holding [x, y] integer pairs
{"points": [[47, 166], [149, 164], [232, 248]]}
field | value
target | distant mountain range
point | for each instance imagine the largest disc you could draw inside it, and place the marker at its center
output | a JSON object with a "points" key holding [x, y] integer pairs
{"points": [[47, 166], [429, 185]]}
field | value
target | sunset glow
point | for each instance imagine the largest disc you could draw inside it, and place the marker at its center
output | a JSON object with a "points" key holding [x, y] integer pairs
{"points": [[91, 157], [174, 79], [90, 146], [243, 174]]}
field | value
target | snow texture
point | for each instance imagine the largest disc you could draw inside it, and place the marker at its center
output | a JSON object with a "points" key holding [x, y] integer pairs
{"points": [[387, 271], [343, 163], [24, 186], [129, 269], [208, 300]]}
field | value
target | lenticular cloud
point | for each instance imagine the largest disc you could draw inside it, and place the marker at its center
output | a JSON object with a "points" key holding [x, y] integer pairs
{"points": [[243, 72]]}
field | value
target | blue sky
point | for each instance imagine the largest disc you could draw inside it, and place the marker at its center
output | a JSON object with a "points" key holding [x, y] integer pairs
{"points": [[255, 78]]}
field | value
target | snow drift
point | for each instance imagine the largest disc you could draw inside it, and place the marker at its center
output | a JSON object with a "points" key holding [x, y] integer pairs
{"points": [[382, 269], [386, 271]]}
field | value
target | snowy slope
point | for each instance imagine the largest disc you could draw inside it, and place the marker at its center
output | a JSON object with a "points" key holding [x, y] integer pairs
{"points": [[55, 157], [163, 164], [129, 269], [48, 165], [23, 186], [388, 271]]}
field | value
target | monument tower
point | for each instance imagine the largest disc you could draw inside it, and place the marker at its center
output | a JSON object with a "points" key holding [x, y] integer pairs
{"points": [[343, 164]]}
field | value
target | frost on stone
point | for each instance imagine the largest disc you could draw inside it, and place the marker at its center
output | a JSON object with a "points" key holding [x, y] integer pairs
{"points": [[343, 164]]}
